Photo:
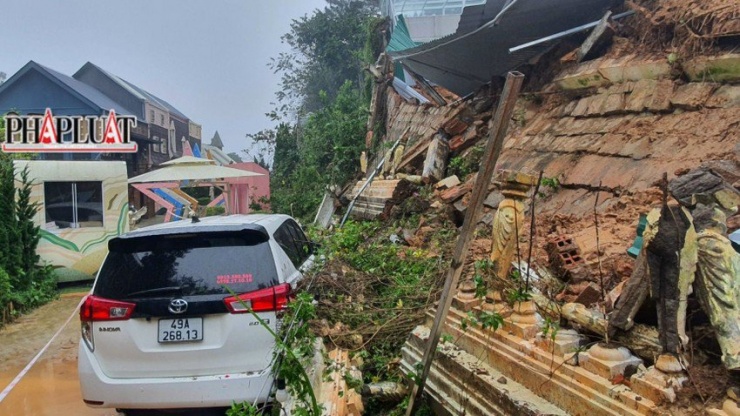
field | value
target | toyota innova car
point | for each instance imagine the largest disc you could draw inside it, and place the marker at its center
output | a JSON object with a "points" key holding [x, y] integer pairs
{"points": [[160, 329]]}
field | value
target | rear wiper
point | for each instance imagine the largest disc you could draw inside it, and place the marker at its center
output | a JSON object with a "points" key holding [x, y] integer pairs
{"points": [[156, 291]]}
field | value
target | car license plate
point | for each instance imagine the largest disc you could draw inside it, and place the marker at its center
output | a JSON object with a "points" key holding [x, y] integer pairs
{"points": [[180, 330]]}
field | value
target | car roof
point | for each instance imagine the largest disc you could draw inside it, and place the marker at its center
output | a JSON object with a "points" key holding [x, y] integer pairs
{"points": [[262, 223]]}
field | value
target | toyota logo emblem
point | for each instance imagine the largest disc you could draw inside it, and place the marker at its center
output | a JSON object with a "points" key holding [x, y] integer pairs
{"points": [[178, 306]]}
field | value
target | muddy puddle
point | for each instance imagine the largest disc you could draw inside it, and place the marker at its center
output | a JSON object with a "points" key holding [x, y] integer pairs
{"points": [[51, 386]]}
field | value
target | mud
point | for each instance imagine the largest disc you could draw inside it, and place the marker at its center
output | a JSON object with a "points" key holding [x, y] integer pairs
{"points": [[51, 387]]}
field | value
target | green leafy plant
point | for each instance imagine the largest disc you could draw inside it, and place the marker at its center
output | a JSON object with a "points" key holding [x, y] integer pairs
{"points": [[215, 210], [490, 320], [519, 295], [25, 285], [553, 184], [550, 328], [293, 349]]}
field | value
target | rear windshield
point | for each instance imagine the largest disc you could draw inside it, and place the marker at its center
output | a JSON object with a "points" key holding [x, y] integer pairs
{"points": [[186, 265]]}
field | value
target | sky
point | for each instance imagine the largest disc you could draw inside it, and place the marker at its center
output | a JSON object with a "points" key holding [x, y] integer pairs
{"points": [[208, 58]]}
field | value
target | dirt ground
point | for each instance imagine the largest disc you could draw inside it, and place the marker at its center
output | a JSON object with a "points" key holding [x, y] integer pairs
{"points": [[51, 386]]}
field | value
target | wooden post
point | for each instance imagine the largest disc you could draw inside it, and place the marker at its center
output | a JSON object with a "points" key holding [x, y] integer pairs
{"points": [[493, 150], [600, 34]]}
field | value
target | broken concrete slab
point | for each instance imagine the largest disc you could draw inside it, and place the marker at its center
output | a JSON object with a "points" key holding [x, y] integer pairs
{"points": [[693, 95], [493, 199], [447, 182], [435, 162], [637, 70], [661, 98], [585, 75], [642, 93], [326, 210], [589, 295], [724, 68], [726, 96]]}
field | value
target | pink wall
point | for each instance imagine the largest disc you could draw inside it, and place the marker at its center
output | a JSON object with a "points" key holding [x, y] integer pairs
{"points": [[248, 190]]}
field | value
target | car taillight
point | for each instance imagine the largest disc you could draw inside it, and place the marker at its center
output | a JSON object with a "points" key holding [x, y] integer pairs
{"points": [[96, 309], [271, 299]]}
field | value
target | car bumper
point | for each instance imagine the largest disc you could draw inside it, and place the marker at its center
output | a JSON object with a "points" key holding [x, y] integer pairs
{"points": [[98, 390]]}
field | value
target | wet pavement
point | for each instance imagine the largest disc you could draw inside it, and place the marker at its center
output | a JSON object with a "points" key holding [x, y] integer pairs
{"points": [[50, 386]]}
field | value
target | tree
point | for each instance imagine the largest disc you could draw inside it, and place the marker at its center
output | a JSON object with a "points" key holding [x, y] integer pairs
{"points": [[326, 51], [320, 105]]}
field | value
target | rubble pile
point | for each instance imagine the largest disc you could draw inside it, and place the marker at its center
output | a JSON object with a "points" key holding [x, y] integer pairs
{"points": [[608, 136], [689, 26]]}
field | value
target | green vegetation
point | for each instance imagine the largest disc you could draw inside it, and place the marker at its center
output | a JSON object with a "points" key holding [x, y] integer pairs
{"points": [[321, 106], [376, 292], [24, 284], [294, 350], [215, 210], [467, 163]]}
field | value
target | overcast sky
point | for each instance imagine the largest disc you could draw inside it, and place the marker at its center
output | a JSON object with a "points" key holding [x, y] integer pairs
{"points": [[207, 58]]}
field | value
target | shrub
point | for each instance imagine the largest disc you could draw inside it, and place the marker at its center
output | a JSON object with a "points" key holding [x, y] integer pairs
{"points": [[217, 210]]}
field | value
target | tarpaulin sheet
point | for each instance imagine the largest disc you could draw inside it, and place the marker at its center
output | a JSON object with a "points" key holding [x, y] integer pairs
{"points": [[471, 57]]}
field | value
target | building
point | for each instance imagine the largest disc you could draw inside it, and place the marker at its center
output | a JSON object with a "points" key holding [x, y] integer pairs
{"points": [[167, 126], [35, 87], [428, 20]]}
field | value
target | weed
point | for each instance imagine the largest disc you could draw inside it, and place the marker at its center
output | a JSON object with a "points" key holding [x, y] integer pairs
{"points": [[552, 183], [519, 295]]}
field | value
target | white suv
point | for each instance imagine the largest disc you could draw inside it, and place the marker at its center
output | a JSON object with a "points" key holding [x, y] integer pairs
{"points": [[160, 331]]}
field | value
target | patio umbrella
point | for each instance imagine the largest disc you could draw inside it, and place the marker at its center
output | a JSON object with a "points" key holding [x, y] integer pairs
{"points": [[190, 168]]}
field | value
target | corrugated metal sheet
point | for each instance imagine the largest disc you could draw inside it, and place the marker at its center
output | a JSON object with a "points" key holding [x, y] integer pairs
{"points": [[464, 61], [400, 39]]}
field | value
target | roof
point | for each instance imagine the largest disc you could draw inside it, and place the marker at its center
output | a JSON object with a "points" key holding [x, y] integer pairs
{"points": [[262, 223], [216, 141], [464, 61], [138, 92], [401, 38], [221, 157], [88, 94], [474, 17]]}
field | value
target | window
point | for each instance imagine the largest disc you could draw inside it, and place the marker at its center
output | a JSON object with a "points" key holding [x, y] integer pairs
{"points": [[73, 204], [161, 119], [163, 147], [155, 145], [285, 240], [151, 116], [295, 244], [304, 246], [193, 264]]}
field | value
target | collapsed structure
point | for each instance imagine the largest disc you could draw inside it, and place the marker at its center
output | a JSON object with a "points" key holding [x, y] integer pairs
{"points": [[638, 149]]}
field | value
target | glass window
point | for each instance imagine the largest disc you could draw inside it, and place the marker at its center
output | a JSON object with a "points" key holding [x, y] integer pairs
{"points": [[301, 242], [163, 146], [285, 239], [73, 204], [151, 116], [155, 145], [194, 264]]}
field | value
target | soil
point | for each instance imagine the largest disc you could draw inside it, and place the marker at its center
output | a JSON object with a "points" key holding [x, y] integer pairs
{"points": [[51, 386]]}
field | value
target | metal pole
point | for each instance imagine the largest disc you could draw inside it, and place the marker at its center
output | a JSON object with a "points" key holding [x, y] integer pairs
{"points": [[567, 32], [493, 150], [365, 185]]}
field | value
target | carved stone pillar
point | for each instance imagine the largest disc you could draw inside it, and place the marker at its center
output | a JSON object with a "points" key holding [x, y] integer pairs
{"points": [[509, 219]]}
